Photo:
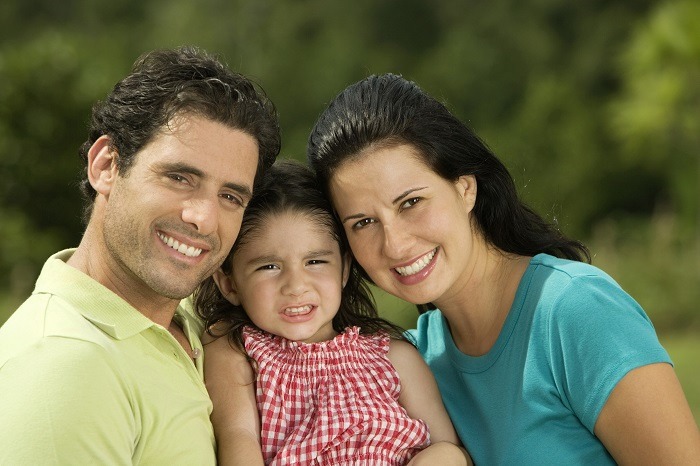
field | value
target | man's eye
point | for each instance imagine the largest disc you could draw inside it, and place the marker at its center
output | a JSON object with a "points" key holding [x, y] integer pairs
{"points": [[233, 198], [177, 177]]}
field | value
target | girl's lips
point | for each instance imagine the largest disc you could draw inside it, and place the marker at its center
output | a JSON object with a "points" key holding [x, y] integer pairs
{"points": [[300, 313], [298, 310]]}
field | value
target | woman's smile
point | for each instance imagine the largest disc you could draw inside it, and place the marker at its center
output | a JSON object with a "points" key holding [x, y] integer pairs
{"points": [[407, 226]]}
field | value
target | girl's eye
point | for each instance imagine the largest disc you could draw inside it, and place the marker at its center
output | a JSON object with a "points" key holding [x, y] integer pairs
{"points": [[410, 202], [317, 262], [362, 223]]}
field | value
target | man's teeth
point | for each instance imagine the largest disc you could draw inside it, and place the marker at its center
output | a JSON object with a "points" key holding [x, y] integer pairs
{"points": [[298, 310], [417, 266], [182, 248]]}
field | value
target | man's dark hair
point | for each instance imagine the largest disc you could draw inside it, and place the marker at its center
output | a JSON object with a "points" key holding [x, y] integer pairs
{"points": [[164, 84]]}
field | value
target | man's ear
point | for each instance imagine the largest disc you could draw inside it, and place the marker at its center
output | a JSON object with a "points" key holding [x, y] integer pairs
{"points": [[226, 286], [102, 165], [466, 187]]}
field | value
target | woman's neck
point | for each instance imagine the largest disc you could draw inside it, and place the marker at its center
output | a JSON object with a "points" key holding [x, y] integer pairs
{"points": [[478, 305]]}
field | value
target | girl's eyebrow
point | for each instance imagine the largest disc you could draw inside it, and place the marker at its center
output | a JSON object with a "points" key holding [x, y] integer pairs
{"points": [[263, 259], [320, 253], [273, 258]]}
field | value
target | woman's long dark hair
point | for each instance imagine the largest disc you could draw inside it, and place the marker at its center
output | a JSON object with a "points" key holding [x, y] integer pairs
{"points": [[290, 187], [389, 110]]}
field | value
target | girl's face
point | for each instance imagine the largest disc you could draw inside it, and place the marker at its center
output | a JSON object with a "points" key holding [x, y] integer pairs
{"points": [[407, 226], [288, 276]]}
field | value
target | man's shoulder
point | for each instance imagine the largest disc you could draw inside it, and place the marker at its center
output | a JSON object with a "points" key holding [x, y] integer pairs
{"points": [[45, 324]]}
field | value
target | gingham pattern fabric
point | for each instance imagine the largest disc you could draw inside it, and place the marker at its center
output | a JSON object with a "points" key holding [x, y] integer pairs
{"points": [[331, 403]]}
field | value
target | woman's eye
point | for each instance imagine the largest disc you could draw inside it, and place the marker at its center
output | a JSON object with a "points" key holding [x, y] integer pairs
{"points": [[410, 202], [267, 267], [363, 223]]}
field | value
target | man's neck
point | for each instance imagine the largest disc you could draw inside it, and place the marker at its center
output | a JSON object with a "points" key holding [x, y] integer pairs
{"points": [[89, 259]]}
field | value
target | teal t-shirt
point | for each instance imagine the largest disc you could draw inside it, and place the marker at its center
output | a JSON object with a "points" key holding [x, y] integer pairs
{"points": [[571, 335]]}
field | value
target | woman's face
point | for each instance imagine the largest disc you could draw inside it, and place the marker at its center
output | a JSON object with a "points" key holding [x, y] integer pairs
{"points": [[407, 226]]}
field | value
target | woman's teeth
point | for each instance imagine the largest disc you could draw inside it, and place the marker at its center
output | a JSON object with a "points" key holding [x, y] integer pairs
{"points": [[417, 266], [182, 248]]}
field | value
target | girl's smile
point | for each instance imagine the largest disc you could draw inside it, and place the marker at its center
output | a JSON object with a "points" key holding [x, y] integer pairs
{"points": [[289, 288]]}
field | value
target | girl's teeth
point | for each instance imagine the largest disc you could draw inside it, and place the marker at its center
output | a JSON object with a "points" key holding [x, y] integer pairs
{"points": [[417, 266], [298, 310]]}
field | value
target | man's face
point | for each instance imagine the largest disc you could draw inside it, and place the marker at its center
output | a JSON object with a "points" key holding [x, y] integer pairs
{"points": [[172, 219]]}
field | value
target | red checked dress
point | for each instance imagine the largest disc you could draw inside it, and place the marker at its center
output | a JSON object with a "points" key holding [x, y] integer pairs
{"points": [[331, 403]]}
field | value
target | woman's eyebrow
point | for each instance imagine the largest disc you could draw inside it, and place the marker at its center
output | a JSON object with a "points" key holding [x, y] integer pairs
{"points": [[406, 193], [396, 200]]}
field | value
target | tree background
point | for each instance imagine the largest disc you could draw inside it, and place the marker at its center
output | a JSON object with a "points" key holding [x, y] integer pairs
{"points": [[594, 106]]}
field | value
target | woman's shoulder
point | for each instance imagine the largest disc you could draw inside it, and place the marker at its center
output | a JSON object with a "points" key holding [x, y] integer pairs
{"points": [[569, 293], [566, 281], [429, 332], [570, 268]]}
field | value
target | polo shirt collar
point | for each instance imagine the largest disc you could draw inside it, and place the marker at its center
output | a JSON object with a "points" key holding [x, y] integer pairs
{"points": [[100, 305]]}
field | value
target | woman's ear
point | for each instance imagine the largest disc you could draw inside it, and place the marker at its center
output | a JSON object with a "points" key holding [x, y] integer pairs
{"points": [[466, 187], [347, 262], [226, 286], [102, 165]]}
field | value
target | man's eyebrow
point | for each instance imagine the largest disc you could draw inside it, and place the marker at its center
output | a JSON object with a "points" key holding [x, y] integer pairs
{"points": [[185, 168], [180, 167], [242, 189]]}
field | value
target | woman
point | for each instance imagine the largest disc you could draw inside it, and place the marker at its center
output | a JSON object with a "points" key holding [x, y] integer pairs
{"points": [[539, 356]]}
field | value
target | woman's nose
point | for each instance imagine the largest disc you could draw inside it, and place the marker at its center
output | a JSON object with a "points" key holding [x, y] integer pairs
{"points": [[397, 242]]}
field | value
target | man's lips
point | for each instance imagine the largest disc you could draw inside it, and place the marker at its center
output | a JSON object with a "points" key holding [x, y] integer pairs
{"points": [[181, 247]]}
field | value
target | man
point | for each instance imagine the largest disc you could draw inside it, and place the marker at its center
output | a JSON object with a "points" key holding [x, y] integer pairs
{"points": [[101, 365]]}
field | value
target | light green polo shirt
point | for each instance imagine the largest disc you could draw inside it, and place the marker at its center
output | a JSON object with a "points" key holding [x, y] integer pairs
{"points": [[86, 379]]}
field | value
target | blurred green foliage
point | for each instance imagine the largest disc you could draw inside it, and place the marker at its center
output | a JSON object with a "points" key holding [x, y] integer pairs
{"points": [[593, 105]]}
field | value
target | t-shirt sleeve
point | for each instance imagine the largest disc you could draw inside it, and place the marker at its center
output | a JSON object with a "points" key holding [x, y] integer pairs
{"points": [[63, 402], [598, 333]]}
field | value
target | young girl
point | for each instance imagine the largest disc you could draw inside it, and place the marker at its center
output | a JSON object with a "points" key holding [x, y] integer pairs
{"points": [[309, 374]]}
